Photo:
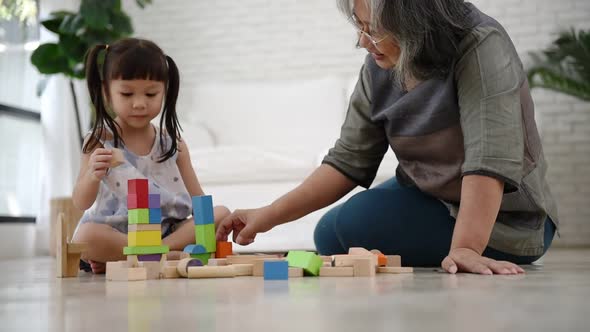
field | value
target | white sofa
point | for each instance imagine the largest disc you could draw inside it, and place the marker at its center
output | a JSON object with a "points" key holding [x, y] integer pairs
{"points": [[251, 142]]}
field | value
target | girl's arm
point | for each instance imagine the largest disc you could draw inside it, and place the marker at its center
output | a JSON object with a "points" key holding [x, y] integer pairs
{"points": [[187, 172], [93, 167], [481, 197]]}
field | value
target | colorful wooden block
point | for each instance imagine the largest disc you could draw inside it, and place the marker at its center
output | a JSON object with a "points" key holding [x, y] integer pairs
{"points": [[308, 261], [223, 249], [142, 239], [258, 266], [132, 250], [144, 227], [203, 210], [155, 216], [332, 271], [205, 236], [185, 263], [154, 201], [243, 270], [217, 262], [139, 216], [194, 249], [149, 258], [138, 187], [364, 268], [246, 259], [137, 201], [276, 270], [211, 272]]}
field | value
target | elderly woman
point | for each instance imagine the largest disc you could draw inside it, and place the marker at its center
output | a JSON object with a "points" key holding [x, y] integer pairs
{"points": [[443, 86]]}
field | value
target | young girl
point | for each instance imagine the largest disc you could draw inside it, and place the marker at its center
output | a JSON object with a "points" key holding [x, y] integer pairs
{"points": [[136, 81]]}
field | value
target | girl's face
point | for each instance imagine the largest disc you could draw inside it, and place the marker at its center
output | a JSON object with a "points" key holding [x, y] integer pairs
{"points": [[386, 51], [136, 102]]}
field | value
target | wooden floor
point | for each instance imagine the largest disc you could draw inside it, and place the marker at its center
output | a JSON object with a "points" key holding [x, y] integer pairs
{"points": [[552, 297]]}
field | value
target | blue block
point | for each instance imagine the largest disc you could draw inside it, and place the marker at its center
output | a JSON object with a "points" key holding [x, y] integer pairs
{"points": [[155, 216], [276, 270], [203, 210], [194, 249]]}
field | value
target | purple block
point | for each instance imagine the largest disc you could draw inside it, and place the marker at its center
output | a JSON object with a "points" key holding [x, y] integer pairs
{"points": [[154, 201], [149, 258]]}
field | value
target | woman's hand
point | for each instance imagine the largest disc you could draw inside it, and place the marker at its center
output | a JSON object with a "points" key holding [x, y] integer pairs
{"points": [[98, 163], [245, 224], [467, 260]]}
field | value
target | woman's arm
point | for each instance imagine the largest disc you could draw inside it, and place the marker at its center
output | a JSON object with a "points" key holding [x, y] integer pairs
{"points": [[481, 197], [189, 177], [323, 187]]}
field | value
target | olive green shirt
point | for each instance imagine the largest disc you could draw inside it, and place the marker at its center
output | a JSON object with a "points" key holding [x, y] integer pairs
{"points": [[477, 120]]}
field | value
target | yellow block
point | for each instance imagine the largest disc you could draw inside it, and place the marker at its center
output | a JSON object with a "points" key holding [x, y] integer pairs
{"points": [[144, 238]]}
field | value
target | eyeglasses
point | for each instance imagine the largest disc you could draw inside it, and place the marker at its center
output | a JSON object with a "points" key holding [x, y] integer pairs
{"points": [[361, 31]]}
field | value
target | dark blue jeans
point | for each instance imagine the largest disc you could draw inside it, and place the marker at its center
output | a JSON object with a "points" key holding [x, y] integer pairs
{"points": [[402, 221]]}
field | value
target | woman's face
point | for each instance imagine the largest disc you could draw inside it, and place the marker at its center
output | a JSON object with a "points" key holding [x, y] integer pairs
{"points": [[386, 51]]}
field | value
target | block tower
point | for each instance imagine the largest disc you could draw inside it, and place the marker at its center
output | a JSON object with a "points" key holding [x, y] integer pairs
{"points": [[205, 246], [144, 236]]}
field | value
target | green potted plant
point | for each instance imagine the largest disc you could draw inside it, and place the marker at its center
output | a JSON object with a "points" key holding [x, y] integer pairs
{"points": [[95, 22], [564, 66]]}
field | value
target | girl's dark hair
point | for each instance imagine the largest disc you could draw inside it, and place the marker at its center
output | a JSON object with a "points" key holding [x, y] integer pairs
{"points": [[130, 59], [428, 31]]}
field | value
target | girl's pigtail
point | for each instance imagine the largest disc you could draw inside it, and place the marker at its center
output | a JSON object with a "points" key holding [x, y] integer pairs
{"points": [[169, 116], [94, 76]]}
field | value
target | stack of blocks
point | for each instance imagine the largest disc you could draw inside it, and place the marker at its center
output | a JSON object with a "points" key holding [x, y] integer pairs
{"points": [[205, 246], [144, 237]]}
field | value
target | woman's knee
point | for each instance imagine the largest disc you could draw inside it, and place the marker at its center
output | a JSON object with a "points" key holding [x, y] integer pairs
{"points": [[324, 236]]}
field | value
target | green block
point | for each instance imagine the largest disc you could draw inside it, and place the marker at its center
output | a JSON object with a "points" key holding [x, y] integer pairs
{"points": [[147, 250], [205, 236], [308, 261], [139, 216], [204, 258]]}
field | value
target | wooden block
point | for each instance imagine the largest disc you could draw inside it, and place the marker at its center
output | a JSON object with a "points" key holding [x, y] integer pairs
{"points": [[77, 248], [217, 262], [154, 201], [138, 216], [144, 227], [395, 269], [211, 272], [153, 269], [295, 272], [203, 210], [381, 259], [243, 270], [170, 272], [341, 271], [144, 238], [184, 255], [117, 158], [138, 187], [131, 250], [348, 260], [205, 236], [132, 261], [204, 258], [118, 271], [223, 249], [171, 263], [194, 249], [276, 270], [359, 251], [258, 266], [364, 268], [394, 260], [326, 259], [309, 261], [68, 254], [185, 263], [246, 259], [155, 216]]}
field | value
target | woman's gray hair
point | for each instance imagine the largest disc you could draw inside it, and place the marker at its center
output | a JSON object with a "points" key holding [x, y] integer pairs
{"points": [[428, 33]]}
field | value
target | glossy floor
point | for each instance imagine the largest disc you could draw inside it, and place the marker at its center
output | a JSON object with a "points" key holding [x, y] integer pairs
{"points": [[552, 297]]}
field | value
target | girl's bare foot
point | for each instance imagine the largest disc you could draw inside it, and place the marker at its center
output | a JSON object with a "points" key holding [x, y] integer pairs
{"points": [[174, 255], [97, 267]]}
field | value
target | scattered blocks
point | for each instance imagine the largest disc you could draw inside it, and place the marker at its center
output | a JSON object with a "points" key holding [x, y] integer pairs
{"points": [[364, 268], [276, 270], [119, 271], [246, 259], [258, 269], [243, 270], [308, 261], [295, 272]]}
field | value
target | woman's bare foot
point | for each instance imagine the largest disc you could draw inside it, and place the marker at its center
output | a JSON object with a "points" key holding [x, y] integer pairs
{"points": [[98, 267]]}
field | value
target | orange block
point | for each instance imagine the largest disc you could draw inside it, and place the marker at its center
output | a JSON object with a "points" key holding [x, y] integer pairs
{"points": [[224, 249], [381, 260]]}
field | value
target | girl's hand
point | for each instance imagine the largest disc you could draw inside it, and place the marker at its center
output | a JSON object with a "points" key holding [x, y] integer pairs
{"points": [[467, 260], [99, 162], [245, 224]]}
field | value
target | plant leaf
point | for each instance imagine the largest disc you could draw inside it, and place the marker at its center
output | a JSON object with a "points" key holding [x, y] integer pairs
{"points": [[95, 14], [55, 19], [49, 59]]}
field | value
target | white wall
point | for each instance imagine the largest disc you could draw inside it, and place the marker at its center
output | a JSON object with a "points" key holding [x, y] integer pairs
{"points": [[231, 40]]}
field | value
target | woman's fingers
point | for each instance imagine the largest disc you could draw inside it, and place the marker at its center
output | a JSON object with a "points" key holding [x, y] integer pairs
{"points": [[449, 265]]}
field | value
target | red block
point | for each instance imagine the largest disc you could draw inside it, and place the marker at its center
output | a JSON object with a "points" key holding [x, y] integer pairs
{"points": [[138, 187], [137, 202]]}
